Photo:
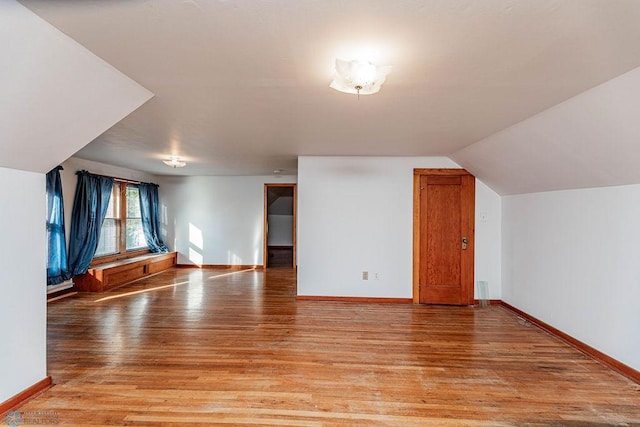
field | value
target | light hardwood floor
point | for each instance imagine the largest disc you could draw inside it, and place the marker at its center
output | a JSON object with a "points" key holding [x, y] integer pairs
{"points": [[207, 347]]}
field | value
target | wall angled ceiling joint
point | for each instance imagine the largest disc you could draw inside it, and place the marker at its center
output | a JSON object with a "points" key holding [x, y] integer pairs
{"points": [[59, 96], [590, 140]]}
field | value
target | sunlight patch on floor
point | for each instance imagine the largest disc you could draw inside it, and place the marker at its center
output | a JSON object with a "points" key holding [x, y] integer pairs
{"points": [[173, 285]]}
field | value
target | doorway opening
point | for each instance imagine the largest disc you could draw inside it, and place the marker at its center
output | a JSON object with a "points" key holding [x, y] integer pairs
{"points": [[279, 226]]}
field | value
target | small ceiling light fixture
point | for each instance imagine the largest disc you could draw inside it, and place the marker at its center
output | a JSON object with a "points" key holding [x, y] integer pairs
{"points": [[358, 77], [175, 162]]}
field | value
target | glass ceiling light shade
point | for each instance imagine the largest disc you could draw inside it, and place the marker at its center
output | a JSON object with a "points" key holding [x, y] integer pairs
{"points": [[358, 77], [175, 162]]}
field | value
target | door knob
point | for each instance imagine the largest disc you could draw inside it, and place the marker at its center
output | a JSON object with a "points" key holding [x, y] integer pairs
{"points": [[464, 243]]}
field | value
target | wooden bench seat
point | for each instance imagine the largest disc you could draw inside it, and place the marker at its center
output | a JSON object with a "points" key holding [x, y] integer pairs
{"points": [[117, 273]]}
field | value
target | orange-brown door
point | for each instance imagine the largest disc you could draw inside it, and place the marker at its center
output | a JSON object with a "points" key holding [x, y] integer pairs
{"points": [[445, 236]]}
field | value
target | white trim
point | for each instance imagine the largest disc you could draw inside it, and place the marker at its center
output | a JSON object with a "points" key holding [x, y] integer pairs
{"points": [[60, 287]]}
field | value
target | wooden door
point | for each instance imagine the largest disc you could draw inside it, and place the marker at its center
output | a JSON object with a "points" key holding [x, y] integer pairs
{"points": [[444, 206]]}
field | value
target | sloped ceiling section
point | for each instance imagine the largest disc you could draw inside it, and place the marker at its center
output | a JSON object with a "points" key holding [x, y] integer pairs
{"points": [[55, 95], [590, 140], [242, 86]]}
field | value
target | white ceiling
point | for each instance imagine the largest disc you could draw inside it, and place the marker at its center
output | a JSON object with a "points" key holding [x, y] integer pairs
{"points": [[241, 86]]}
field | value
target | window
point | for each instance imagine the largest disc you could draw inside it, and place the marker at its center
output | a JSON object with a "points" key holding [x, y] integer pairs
{"points": [[108, 243], [121, 231], [135, 235]]}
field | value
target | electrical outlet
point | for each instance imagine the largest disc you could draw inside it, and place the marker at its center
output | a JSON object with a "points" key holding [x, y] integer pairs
{"points": [[376, 276], [365, 275]]}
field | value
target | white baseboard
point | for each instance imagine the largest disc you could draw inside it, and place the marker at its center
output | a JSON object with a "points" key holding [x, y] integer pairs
{"points": [[59, 287]]}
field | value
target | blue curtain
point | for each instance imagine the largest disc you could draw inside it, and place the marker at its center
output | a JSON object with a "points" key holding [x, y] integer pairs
{"points": [[89, 209], [57, 268], [151, 217]]}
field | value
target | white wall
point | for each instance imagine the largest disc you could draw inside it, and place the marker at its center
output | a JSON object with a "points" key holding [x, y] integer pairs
{"points": [[215, 220], [355, 214], [488, 244], [572, 259], [23, 281], [280, 230]]}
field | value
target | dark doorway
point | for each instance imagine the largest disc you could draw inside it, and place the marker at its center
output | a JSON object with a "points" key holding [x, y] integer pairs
{"points": [[280, 228]]}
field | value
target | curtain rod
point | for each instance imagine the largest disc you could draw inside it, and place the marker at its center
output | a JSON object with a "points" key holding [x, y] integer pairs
{"points": [[126, 181]]}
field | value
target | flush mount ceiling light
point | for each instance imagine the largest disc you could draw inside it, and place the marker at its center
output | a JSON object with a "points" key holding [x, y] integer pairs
{"points": [[175, 162], [358, 77]]}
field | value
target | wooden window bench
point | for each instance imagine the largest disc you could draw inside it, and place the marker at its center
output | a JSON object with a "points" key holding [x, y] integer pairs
{"points": [[117, 273]]}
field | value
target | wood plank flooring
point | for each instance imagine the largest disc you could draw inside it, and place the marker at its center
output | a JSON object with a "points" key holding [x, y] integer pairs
{"points": [[209, 347]]}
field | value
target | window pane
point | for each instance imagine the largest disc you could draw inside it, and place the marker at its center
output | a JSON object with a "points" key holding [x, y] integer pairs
{"points": [[114, 202], [108, 243], [133, 202], [135, 235]]}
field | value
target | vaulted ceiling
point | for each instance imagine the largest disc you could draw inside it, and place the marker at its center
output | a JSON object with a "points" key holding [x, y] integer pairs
{"points": [[241, 87]]}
